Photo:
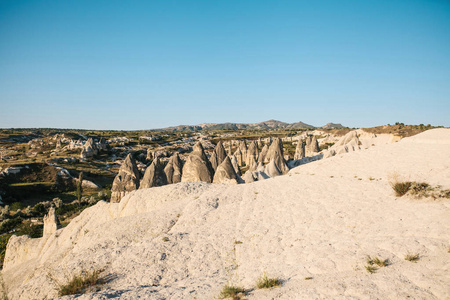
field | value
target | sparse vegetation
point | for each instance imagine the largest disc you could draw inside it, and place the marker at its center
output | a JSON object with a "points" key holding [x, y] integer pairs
{"points": [[308, 278], [233, 292], [418, 189], [81, 283], [412, 257], [265, 282], [371, 269], [377, 261]]}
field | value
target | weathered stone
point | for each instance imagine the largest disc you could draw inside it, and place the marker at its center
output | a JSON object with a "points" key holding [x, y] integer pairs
{"points": [[173, 169], [126, 181], [252, 154], [154, 175], [263, 154], [51, 222], [218, 155], [197, 166], [275, 153], [299, 150], [239, 156], [235, 164], [225, 173]]}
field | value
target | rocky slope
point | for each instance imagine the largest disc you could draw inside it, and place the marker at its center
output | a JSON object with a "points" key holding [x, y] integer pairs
{"points": [[187, 240]]}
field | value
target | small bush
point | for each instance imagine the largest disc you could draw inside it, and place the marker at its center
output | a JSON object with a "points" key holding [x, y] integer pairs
{"points": [[412, 257], [10, 224], [401, 188], [233, 292], [16, 205], [80, 283], [3, 242], [265, 282]]}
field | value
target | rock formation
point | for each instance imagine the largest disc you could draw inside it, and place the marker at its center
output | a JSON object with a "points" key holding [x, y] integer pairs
{"points": [[263, 154], [127, 179], [154, 175], [312, 146], [272, 169], [51, 222], [225, 173], [234, 162], [299, 150], [252, 154], [218, 155], [197, 166], [275, 154], [239, 156], [243, 148], [173, 169]]}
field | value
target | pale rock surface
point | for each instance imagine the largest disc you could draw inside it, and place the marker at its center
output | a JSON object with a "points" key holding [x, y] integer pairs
{"points": [[179, 241], [263, 154], [127, 179], [243, 148], [252, 153], [154, 175], [235, 164], [225, 173], [51, 222], [275, 154], [218, 155], [299, 150], [173, 169], [272, 170], [239, 156], [197, 166]]}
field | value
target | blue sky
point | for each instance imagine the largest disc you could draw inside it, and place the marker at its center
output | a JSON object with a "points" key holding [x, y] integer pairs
{"points": [[150, 64]]}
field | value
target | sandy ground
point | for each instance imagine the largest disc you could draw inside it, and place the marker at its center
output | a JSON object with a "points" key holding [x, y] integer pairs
{"points": [[186, 241]]}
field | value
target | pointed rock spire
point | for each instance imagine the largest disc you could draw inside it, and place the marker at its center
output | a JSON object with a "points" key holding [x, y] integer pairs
{"points": [[218, 155], [263, 154], [299, 150], [239, 157], [173, 169], [275, 153], [197, 166], [225, 173], [127, 179], [234, 162], [51, 222], [154, 175], [252, 154]]}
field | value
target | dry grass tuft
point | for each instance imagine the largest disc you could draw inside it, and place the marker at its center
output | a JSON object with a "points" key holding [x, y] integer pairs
{"points": [[229, 291], [80, 283], [265, 282], [412, 257]]}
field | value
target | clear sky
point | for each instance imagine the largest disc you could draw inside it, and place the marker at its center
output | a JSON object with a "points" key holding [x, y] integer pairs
{"points": [[150, 64]]}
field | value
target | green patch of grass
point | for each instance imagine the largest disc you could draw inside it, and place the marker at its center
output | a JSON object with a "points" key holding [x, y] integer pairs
{"points": [[232, 292], [3, 242], [308, 278], [412, 257], [265, 282], [81, 283]]}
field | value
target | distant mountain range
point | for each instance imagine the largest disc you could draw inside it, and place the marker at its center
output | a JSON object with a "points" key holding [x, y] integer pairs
{"points": [[270, 124]]}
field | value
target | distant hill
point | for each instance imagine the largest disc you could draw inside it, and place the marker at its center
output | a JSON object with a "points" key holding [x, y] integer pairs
{"points": [[333, 126], [270, 124]]}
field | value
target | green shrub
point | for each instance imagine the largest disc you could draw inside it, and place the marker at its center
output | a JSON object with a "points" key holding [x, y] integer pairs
{"points": [[28, 228], [10, 224], [16, 205], [3, 242], [412, 257]]}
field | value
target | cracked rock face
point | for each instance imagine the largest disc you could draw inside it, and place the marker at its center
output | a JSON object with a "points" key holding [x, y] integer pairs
{"points": [[154, 175], [225, 173], [126, 181], [235, 164], [173, 169], [197, 166], [263, 154], [218, 156], [312, 146]]}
